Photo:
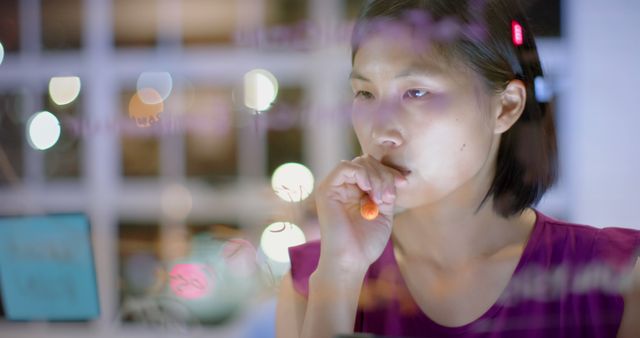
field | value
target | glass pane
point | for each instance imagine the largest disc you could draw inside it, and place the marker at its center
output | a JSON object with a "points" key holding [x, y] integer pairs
{"points": [[282, 12], [208, 21], [63, 159], [11, 138], [285, 26], [545, 16], [216, 230], [135, 22], [207, 282], [9, 25], [352, 8], [61, 24], [210, 138], [140, 268], [139, 137], [285, 135], [231, 267]]}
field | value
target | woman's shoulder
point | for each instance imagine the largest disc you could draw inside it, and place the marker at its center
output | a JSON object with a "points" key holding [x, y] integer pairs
{"points": [[584, 242]]}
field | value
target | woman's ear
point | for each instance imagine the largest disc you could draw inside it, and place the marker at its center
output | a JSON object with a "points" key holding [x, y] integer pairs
{"points": [[511, 103]]}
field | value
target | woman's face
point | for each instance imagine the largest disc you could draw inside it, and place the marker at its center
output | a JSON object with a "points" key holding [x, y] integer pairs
{"points": [[435, 119]]}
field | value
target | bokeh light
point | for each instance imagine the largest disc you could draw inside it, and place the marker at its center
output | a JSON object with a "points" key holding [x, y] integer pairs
{"points": [[43, 130], [176, 202], [260, 89], [161, 84], [278, 237], [517, 33], [145, 114], [543, 90], [64, 90], [1, 53], [292, 182]]}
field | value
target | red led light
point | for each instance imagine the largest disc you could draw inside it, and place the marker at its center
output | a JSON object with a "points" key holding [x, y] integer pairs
{"points": [[516, 33]]}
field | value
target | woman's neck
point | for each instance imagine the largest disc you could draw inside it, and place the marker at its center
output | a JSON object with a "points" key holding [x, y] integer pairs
{"points": [[450, 239]]}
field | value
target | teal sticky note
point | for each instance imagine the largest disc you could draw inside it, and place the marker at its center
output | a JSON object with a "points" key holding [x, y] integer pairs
{"points": [[47, 270]]}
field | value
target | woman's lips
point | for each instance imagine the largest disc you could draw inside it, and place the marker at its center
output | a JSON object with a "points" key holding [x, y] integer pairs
{"points": [[405, 172], [401, 169]]}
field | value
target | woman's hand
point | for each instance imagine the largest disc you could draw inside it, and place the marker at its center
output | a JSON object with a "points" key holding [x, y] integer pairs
{"points": [[349, 240]]}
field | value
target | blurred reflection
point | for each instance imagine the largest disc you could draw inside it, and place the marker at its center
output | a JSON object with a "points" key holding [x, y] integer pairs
{"points": [[196, 278], [210, 137], [544, 92], [285, 136], [176, 202], [64, 90], [191, 281], [43, 130], [9, 25], [292, 182], [135, 23], [208, 282], [12, 137], [260, 90], [240, 256], [61, 24], [206, 22], [140, 271], [64, 160], [146, 114], [154, 87], [278, 237], [140, 146]]}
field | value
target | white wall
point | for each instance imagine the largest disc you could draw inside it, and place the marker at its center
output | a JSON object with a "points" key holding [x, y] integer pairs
{"points": [[600, 128]]}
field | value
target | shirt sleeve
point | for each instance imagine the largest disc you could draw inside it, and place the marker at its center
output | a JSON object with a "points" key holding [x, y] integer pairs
{"points": [[614, 253], [304, 261], [617, 247]]}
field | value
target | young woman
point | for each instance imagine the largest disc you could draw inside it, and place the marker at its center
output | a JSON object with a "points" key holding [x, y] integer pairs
{"points": [[456, 152]]}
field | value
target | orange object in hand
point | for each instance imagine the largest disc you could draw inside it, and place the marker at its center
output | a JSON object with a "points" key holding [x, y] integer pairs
{"points": [[368, 208]]}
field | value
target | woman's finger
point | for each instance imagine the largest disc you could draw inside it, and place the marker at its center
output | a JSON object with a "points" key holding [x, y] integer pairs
{"points": [[351, 173]]}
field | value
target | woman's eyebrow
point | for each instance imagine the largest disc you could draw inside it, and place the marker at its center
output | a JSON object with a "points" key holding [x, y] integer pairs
{"points": [[357, 76]]}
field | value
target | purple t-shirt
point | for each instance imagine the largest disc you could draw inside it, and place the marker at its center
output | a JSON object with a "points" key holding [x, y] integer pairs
{"points": [[567, 283]]}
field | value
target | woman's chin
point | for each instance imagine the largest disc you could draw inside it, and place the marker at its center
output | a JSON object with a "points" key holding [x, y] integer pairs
{"points": [[398, 210], [399, 206], [404, 203]]}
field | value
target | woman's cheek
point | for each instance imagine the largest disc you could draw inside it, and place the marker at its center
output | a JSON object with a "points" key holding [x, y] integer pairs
{"points": [[356, 117], [360, 127], [360, 111], [437, 103]]}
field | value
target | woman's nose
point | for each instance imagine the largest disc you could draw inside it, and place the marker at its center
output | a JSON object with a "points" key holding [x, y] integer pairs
{"points": [[388, 136], [387, 129], [386, 110]]}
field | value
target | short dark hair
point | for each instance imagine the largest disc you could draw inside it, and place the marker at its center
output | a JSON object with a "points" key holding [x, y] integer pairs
{"points": [[527, 160]]}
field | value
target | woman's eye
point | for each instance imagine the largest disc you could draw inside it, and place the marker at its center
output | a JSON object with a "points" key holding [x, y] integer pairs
{"points": [[364, 94], [416, 93]]}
